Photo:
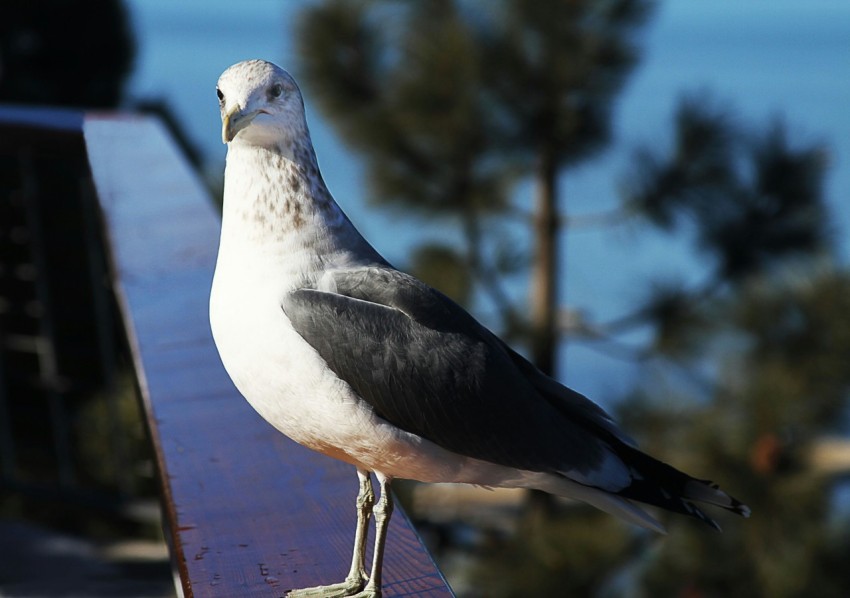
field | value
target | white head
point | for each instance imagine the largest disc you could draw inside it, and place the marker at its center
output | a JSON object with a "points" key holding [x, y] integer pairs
{"points": [[260, 105]]}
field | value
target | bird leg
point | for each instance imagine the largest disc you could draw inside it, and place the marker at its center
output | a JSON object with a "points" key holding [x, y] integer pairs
{"points": [[365, 503], [383, 511], [357, 576]]}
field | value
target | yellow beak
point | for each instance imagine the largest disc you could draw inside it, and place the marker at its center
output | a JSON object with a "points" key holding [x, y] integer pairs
{"points": [[234, 121]]}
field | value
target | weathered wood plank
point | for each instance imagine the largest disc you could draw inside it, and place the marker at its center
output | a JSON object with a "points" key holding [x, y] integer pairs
{"points": [[251, 513]]}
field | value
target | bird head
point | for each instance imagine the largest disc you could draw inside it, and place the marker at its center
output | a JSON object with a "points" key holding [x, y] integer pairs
{"points": [[260, 104]]}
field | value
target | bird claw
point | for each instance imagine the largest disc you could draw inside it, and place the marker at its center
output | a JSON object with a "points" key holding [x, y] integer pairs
{"points": [[349, 587]]}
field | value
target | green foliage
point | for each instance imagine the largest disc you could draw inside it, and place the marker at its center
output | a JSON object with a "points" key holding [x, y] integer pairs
{"points": [[783, 385], [412, 104], [451, 100], [555, 67], [113, 447], [441, 267], [754, 199], [752, 202], [799, 338], [572, 551]]}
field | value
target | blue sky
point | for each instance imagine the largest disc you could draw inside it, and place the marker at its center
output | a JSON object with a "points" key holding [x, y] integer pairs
{"points": [[767, 58]]}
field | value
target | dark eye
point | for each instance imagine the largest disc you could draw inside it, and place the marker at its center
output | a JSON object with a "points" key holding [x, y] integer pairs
{"points": [[275, 90], [220, 95]]}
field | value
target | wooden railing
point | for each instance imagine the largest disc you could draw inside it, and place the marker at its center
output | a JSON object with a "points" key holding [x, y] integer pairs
{"points": [[247, 511]]}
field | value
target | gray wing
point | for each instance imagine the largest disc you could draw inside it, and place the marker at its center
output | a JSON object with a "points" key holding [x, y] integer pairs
{"points": [[426, 366]]}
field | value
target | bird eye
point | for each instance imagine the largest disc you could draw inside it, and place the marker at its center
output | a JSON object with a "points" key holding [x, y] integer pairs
{"points": [[220, 95], [275, 90]]}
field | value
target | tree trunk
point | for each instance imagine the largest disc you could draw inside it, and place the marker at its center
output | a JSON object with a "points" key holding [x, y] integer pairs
{"points": [[544, 292]]}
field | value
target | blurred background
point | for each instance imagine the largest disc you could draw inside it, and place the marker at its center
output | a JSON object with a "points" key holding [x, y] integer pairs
{"points": [[649, 199]]}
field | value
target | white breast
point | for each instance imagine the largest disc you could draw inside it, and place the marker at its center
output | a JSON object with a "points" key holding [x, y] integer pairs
{"points": [[263, 256]]}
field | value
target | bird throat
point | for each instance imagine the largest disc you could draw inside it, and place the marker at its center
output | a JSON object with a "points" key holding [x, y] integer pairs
{"points": [[284, 196]]}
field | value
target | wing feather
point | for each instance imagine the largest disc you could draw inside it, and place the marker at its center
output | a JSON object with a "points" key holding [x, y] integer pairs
{"points": [[426, 366]]}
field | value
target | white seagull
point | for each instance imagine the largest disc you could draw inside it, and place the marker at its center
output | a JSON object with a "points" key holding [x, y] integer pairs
{"points": [[352, 358]]}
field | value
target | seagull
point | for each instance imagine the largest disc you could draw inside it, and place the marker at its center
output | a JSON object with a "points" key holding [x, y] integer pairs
{"points": [[364, 363]]}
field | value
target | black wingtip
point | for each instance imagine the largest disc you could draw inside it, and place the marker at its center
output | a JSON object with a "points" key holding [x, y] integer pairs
{"points": [[690, 509], [741, 509], [665, 486], [710, 493]]}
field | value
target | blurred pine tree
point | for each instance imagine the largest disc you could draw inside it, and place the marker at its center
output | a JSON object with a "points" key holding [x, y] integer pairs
{"points": [[451, 103]]}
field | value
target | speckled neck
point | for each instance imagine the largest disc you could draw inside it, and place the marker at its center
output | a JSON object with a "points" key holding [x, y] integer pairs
{"points": [[285, 189], [278, 194], [276, 201]]}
